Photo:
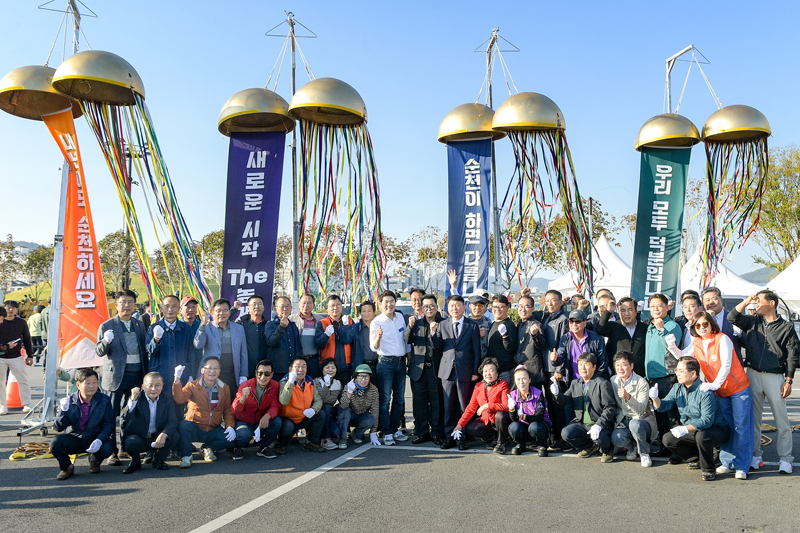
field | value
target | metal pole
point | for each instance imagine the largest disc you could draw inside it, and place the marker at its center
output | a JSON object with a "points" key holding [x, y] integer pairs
{"points": [[295, 219], [126, 265], [493, 171]]}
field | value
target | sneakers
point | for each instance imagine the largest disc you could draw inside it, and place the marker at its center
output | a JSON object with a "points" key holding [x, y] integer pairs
{"points": [[724, 470], [313, 447], [209, 455], [65, 474], [399, 436], [708, 476], [756, 462], [740, 474], [4, 411], [646, 461], [186, 462], [266, 453], [785, 468], [27, 408], [630, 456], [588, 452], [280, 449], [357, 439], [388, 440], [693, 465], [238, 453], [500, 449], [607, 458], [342, 444], [328, 444]]}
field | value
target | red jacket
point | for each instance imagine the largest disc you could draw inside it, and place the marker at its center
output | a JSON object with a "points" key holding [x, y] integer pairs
{"points": [[497, 400], [251, 411]]}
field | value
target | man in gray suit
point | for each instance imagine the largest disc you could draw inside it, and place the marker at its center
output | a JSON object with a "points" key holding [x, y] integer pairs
{"points": [[460, 342], [120, 342], [225, 340]]}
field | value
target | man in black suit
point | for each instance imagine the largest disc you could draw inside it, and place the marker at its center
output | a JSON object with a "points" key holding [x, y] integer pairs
{"points": [[149, 423], [625, 335], [460, 342], [121, 344]]}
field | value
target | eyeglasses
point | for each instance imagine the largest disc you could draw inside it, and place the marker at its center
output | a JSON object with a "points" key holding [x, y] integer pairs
{"points": [[362, 376], [429, 307], [263, 374], [703, 325], [498, 307]]}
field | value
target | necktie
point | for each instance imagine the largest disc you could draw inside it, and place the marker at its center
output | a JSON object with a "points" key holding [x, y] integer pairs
{"points": [[457, 324]]}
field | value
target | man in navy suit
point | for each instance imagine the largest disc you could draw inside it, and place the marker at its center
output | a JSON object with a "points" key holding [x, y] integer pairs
{"points": [[120, 342], [713, 303], [460, 342], [89, 416], [149, 423]]}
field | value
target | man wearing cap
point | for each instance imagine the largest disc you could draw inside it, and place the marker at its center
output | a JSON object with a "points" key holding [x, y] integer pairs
{"points": [[578, 341], [254, 325], [169, 344], [479, 315], [14, 334]]}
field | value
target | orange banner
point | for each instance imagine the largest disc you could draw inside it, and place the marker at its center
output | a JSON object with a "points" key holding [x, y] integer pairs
{"points": [[83, 295]]}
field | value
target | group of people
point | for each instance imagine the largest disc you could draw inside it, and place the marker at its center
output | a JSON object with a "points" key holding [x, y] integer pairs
{"points": [[567, 377]]}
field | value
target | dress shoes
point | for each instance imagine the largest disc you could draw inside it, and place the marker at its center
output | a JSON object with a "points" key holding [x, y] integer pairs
{"points": [[160, 465], [422, 439], [66, 474], [462, 444], [437, 440], [94, 465], [448, 443], [131, 468]]}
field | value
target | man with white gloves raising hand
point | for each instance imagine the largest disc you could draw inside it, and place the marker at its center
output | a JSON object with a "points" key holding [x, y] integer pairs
{"points": [[301, 408]]}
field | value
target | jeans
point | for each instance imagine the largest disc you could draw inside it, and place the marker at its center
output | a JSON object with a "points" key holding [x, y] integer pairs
{"points": [[313, 427], [737, 410], [391, 387], [66, 444], [577, 435], [214, 439], [331, 429], [635, 433], [347, 419], [522, 433], [245, 432]]}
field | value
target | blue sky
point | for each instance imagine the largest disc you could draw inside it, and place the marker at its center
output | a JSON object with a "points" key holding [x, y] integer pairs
{"points": [[412, 62]]}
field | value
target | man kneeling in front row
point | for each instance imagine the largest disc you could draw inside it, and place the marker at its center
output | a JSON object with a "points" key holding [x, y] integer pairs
{"points": [[89, 417], [149, 424]]}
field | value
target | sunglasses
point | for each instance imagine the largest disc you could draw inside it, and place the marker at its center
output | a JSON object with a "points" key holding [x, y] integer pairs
{"points": [[429, 307], [703, 325], [263, 374]]}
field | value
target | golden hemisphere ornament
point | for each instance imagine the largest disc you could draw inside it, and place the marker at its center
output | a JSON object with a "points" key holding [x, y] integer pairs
{"points": [[26, 92], [100, 77], [668, 130], [328, 101], [736, 123], [528, 112], [255, 110], [467, 122]]}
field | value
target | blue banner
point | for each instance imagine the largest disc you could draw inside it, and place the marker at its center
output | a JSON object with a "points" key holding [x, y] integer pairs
{"points": [[469, 172], [255, 167]]}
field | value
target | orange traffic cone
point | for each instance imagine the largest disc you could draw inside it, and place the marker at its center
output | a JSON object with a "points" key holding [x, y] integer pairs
{"points": [[12, 393]]}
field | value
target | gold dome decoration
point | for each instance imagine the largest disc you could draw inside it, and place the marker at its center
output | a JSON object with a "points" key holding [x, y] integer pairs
{"points": [[26, 92], [736, 123], [528, 112], [328, 101], [256, 110], [668, 130], [100, 77], [467, 122]]}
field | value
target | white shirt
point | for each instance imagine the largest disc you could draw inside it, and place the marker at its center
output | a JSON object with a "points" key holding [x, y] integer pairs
{"points": [[725, 357], [152, 404], [393, 342]]}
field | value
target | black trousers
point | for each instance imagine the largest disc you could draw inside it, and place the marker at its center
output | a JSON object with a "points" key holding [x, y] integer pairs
{"points": [[666, 420], [556, 411], [120, 397], [134, 445], [700, 444], [425, 404], [66, 444], [479, 429], [457, 395]]}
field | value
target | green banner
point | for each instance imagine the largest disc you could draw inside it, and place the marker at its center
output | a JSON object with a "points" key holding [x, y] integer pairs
{"points": [[659, 220]]}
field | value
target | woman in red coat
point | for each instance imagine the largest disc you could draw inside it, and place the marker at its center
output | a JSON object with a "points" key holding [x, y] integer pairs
{"points": [[487, 414]]}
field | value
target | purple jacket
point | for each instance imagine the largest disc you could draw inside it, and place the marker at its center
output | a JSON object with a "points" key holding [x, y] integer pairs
{"points": [[531, 410]]}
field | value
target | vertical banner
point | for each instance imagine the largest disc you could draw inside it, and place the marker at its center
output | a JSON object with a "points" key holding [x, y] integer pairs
{"points": [[83, 296], [659, 220], [469, 171], [255, 167]]}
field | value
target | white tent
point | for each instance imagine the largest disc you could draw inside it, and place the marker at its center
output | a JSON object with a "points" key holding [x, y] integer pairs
{"points": [[786, 285], [611, 272], [730, 284]]}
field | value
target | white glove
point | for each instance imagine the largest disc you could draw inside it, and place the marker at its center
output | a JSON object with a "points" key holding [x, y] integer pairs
{"points": [[351, 387], [670, 340], [308, 413], [292, 377], [653, 393], [257, 434], [108, 336], [336, 385], [179, 371], [242, 379], [456, 434], [327, 379], [346, 320], [64, 403], [94, 447], [707, 387], [502, 329], [640, 306], [554, 387], [158, 332], [511, 404], [329, 330], [230, 434], [679, 431], [594, 432], [373, 438], [191, 378], [153, 444]]}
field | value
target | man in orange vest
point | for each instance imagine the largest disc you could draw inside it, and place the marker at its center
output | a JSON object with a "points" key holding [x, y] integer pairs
{"points": [[301, 408], [334, 337]]}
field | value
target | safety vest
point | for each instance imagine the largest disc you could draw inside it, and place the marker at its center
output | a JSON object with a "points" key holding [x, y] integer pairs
{"points": [[710, 364], [301, 400], [329, 350]]}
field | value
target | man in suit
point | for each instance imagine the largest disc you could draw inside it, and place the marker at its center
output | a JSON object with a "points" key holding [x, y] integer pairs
{"points": [[150, 424], [224, 340], [88, 415], [628, 334], [169, 344], [460, 343], [713, 303], [121, 344], [531, 342]]}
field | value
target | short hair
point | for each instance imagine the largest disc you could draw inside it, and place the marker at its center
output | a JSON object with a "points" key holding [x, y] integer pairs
{"points": [[769, 296], [153, 375], [455, 298], [296, 358], [658, 296], [622, 355], [327, 361], [628, 299], [221, 301], [309, 295], [39, 308], [171, 296], [489, 361], [589, 357], [332, 298], [502, 299], [430, 296], [607, 296], [420, 291], [604, 290], [264, 362], [527, 297], [710, 319], [259, 297], [554, 292], [694, 297], [275, 301], [386, 293], [126, 292], [85, 373], [691, 364], [368, 303], [208, 358], [689, 292], [715, 290]]}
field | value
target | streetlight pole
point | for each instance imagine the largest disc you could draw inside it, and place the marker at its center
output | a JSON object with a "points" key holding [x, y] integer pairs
{"points": [[295, 218]]}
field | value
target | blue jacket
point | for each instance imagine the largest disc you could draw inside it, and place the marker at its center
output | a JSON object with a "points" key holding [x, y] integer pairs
{"points": [[696, 407], [594, 344], [175, 348], [282, 344], [102, 422]]}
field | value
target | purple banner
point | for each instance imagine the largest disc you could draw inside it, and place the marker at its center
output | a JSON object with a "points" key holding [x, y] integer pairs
{"points": [[255, 167]]}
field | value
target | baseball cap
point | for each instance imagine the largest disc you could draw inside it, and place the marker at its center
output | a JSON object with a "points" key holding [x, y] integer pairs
{"points": [[577, 314], [188, 299]]}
